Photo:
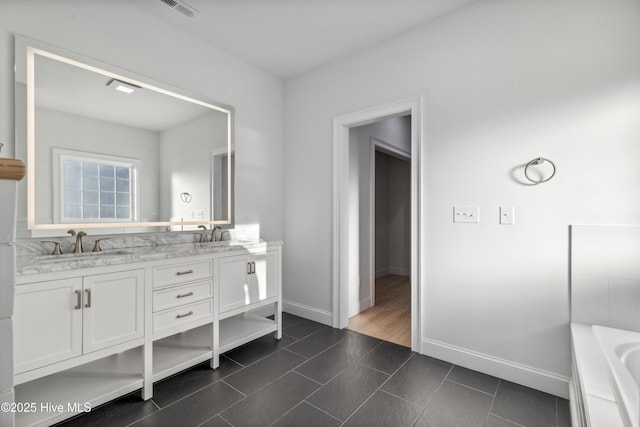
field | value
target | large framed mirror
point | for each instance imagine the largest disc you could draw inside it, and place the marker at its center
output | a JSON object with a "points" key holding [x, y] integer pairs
{"points": [[109, 149]]}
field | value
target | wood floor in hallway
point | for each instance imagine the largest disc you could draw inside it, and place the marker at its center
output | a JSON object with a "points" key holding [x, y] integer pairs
{"points": [[390, 318]]}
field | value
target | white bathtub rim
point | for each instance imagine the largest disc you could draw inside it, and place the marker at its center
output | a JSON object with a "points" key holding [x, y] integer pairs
{"points": [[624, 386]]}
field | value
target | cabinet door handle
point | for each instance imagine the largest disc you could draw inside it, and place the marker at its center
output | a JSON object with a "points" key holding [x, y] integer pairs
{"points": [[180, 316], [78, 300], [88, 304], [248, 268], [253, 267], [184, 295], [181, 273]]}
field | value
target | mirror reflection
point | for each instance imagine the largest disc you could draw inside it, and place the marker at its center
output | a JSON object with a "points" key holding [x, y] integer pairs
{"points": [[106, 149]]}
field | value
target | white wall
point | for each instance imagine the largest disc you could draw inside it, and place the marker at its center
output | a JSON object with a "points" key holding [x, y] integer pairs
{"points": [[118, 33], [56, 129], [188, 166], [502, 82], [605, 276]]}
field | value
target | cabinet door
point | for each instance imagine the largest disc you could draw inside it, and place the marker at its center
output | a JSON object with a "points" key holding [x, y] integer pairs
{"points": [[264, 279], [113, 310], [233, 282], [47, 323]]}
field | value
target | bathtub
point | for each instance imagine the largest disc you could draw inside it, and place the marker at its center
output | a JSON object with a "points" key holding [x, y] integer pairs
{"points": [[593, 396], [621, 349]]}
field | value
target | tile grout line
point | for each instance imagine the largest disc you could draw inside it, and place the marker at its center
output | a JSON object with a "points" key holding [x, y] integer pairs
{"points": [[399, 397], [320, 409], [226, 383], [379, 387], [471, 388], [434, 393], [234, 361], [297, 354], [506, 419], [226, 420], [292, 370], [300, 402], [286, 412], [310, 379], [492, 402], [156, 405]]}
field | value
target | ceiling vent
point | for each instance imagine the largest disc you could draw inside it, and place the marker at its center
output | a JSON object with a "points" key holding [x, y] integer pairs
{"points": [[181, 7]]}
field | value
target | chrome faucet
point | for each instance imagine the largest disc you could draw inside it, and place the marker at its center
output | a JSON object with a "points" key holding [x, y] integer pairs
{"points": [[213, 233], [77, 249]]}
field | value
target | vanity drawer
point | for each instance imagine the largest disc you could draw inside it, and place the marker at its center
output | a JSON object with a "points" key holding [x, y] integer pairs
{"points": [[181, 273], [180, 295], [183, 317]]}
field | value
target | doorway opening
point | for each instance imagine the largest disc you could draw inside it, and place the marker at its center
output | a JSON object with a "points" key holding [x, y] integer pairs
{"points": [[376, 248]]}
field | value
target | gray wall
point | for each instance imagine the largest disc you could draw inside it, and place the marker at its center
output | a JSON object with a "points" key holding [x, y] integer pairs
{"points": [[393, 215]]}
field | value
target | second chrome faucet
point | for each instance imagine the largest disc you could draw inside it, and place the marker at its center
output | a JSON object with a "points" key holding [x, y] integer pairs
{"points": [[77, 248], [214, 238]]}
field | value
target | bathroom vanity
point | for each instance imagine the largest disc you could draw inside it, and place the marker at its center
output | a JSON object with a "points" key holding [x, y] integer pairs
{"points": [[93, 327], [144, 163]]}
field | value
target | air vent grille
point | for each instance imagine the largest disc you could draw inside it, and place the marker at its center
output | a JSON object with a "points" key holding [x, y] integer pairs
{"points": [[182, 7]]}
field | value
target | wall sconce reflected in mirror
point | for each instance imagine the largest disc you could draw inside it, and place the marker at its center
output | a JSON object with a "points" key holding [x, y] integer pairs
{"points": [[541, 177], [185, 197]]}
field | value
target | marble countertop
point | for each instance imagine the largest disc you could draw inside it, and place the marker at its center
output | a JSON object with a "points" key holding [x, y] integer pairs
{"points": [[38, 264]]}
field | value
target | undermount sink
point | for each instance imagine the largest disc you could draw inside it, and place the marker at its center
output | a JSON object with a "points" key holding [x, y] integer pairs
{"points": [[71, 256], [228, 242]]}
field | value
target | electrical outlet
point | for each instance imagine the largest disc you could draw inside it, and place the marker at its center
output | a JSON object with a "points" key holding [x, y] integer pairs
{"points": [[507, 215], [466, 214]]}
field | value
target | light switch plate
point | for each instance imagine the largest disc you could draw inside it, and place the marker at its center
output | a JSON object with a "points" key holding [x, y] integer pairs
{"points": [[507, 215], [466, 214]]}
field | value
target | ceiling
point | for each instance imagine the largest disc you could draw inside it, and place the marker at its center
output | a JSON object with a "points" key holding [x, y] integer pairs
{"points": [[73, 89], [290, 37]]}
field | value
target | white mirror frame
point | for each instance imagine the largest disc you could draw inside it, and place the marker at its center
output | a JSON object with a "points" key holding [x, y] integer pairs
{"points": [[25, 51]]}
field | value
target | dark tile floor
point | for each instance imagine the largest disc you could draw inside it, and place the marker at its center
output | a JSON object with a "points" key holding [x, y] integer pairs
{"points": [[319, 376]]}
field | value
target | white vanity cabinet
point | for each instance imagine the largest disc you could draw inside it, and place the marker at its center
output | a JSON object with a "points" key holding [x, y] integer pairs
{"points": [[60, 319], [182, 297], [78, 339], [39, 343], [247, 279], [248, 282], [93, 334]]}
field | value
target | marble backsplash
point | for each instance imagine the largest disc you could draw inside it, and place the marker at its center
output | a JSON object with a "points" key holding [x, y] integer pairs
{"points": [[25, 247]]}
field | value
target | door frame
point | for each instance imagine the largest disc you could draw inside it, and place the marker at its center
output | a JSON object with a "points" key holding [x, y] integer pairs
{"points": [[340, 262]]}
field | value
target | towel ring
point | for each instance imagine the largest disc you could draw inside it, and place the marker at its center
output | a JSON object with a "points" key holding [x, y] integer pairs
{"points": [[185, 197], [539, 161]]}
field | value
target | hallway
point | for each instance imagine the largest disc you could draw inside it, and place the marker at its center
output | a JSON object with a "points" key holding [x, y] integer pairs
{"points": [[390, 318]]}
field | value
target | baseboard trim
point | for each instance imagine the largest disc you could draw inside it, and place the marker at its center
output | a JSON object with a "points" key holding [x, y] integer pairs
{"points": [[365, 304], [399, 271], [382, 272], [535, 378], [311, 313]]}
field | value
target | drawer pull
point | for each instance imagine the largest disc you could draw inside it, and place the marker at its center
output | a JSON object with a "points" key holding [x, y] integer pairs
{"points": [[182, 273], [180, 316], [78, 300], [184, 295]]}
